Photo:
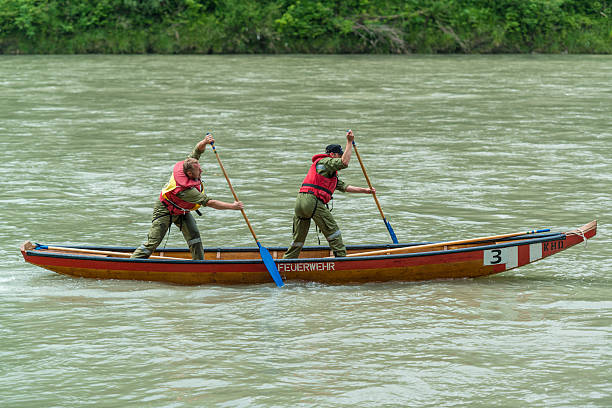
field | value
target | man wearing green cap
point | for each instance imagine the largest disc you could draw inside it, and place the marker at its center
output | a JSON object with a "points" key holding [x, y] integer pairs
{"points": [[317, 189], [183, 193]]}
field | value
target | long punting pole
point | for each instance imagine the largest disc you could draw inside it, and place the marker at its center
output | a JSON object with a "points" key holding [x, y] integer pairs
{"points": [[95, 252], [435, 244], [265, 254], [365, 173]]}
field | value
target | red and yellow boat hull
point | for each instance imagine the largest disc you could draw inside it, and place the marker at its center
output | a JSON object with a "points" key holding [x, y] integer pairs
{"points": [[404, 262]]}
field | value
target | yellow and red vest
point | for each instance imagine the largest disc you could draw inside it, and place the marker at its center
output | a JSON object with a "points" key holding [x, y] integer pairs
{"points": [[314, 183], [179, 182]]}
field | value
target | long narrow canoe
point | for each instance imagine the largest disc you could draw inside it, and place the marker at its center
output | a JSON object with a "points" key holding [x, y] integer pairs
{"points": [[468, 258]]}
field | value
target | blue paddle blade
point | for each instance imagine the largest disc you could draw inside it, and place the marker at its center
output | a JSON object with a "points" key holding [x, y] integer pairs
{"points": [[391, 232], [271, 265]]}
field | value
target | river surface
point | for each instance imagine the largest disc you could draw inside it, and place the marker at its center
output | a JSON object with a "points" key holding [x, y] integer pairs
{"points": [[457, 147]]}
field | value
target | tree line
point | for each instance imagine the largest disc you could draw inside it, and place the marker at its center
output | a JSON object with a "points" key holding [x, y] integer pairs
{"points": [[305, 26]]}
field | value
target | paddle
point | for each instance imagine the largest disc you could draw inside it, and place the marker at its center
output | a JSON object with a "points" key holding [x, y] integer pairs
{"points": [[365, 173], [265, 254], [435, 244], [94, 252]]}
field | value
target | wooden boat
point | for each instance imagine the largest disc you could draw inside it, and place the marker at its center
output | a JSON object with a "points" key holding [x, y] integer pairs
{"points": [[468, 258]]}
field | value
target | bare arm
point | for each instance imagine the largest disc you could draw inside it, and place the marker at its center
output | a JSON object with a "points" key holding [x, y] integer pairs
{"points": [[207, 140], [353, 189], [222, 205], [346, 156], [201, 146]]}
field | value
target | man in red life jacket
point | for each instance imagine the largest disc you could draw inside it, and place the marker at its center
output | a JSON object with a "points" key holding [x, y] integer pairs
{"points": [[317, 188], [183, 193]]}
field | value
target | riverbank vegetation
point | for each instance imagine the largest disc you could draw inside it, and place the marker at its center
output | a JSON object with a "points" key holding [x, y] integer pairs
{"points": [[305, 26]]}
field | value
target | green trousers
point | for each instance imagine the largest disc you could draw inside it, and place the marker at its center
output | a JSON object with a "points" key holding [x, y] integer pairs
{"points": [[308, 207], [162, 219]]}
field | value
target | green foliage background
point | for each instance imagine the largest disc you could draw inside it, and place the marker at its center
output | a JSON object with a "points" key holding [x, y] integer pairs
{"points": [[304, 26]]}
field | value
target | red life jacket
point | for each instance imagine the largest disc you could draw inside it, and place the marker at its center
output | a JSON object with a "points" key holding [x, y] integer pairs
{"points": [[179, 182], [322, 187]]}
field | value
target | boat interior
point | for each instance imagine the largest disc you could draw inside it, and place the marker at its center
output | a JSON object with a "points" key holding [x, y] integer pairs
{"points": [[311, 252]]}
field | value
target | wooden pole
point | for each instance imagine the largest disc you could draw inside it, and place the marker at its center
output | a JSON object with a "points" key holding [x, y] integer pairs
{"points": [[446, 243], [365, 173], [93, 251]]}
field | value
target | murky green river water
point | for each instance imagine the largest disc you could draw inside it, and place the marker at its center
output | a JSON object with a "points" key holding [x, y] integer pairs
{"points": [[457, 147]]}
